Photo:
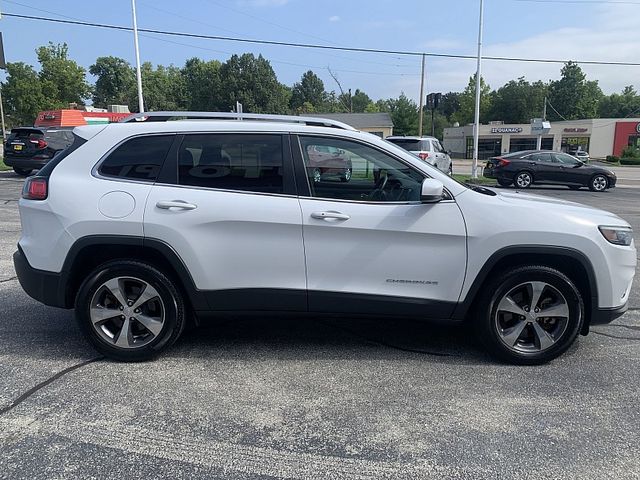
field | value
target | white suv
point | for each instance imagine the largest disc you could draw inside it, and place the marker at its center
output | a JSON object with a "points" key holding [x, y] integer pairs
{"points": [[428, 149], [143, 225]]}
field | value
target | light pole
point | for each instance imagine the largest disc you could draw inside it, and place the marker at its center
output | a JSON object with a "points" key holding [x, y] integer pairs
{"points": [[137, 47], [476, 123], [421, 98]]}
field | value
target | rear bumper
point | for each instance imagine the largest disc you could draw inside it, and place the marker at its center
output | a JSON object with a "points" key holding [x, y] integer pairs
{"points": [[601, 316], [45, 287], [26, 162]]}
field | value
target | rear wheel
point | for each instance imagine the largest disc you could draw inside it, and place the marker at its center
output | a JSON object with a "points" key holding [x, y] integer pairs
{"points": [[530, 315], [129, 311], [523, 179], [24, 172], [504, 183], [598, 183]]}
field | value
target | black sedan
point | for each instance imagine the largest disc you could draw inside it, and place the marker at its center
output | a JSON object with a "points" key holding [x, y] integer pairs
{"points": [[523, 169]]}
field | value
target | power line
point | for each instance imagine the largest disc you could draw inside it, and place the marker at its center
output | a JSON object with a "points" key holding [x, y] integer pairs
{"points": [[315, 46]]}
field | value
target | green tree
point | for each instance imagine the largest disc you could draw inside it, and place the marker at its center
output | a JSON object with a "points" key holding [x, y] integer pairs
{"points": [[449, 104], [202, 82], [360, 101], [518, 101], [309, 90], [466, 112], [573, 96], [252, 82], [404, 114], [620, 105], [22, 95], [115, 81], [163, 89], [63, 80]]}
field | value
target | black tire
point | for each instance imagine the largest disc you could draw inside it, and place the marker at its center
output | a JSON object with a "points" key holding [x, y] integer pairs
{"points": [[574, 187], [598, 183], [346, 175], [23, 172], [504, 183], [172, 307], [523, 179], [493, 325]]}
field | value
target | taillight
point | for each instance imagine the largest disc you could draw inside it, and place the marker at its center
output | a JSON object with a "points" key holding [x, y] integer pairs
{"points": [[503, 162], [423, 155], [35, 188], [40, 143]]}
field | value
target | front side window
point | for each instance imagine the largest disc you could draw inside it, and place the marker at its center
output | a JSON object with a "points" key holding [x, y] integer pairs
{"points": [[139, 158], [539, 157], [247, 162], [346, 170]]}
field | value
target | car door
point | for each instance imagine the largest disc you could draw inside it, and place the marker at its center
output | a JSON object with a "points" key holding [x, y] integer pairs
{"points": [[371, 246], [227, 205], [540, 164], [567, 171]]}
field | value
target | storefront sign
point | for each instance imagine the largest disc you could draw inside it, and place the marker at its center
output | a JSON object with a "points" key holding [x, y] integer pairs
{"points": [[506, 130], [575, 130]]}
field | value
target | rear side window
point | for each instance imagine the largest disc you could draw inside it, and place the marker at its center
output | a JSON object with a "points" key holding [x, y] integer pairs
{"points": [[409, 144], [247, 162], [139, 158], [58, 139]]}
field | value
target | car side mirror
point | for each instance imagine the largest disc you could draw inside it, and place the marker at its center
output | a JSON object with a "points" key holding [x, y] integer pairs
{"points": [[431, 191]]}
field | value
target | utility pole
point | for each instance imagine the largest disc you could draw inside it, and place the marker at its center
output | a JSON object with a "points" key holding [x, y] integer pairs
{"points": [[137, 48], [421, 98], [544, 118], [476, 123]]}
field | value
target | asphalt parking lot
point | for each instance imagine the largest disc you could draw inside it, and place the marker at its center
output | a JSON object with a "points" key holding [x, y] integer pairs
{"points": [[323, 398]]}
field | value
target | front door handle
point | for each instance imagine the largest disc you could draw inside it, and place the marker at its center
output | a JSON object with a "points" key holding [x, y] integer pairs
{"points": [[330, 215], [168, 204]]}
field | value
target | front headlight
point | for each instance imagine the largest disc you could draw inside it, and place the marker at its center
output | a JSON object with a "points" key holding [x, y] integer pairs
{"points": [[617, 235]]}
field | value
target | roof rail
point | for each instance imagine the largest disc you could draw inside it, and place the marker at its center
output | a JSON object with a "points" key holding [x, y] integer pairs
{"points": [[177, 115]]}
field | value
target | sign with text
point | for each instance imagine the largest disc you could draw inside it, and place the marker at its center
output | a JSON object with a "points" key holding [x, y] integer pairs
{"points": [[506, 130]]}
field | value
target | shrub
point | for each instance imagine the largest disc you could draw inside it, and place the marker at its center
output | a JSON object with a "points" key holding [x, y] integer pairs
{"points": [[631, 152], [629, 161], [612, 159]]}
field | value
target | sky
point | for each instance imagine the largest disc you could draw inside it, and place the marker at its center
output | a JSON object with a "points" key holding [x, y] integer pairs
{"points": [[553, 29]]}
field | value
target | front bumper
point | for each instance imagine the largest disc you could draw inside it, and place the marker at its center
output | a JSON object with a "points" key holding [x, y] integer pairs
{"points": [[45, 287], [601, 316]]}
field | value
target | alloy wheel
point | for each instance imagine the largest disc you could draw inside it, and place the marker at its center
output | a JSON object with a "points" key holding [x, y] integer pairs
{"points": [[347, 175], [599, 183], [127, 312], [523, 180], [531, 317], [317, 175]]}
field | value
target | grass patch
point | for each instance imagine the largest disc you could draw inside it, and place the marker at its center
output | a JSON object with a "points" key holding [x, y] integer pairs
{"points": [[3, 167], [475, 181]]}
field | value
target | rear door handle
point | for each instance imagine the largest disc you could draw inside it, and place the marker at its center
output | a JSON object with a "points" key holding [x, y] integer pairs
{"points": [[168, 204], [330, 215]]}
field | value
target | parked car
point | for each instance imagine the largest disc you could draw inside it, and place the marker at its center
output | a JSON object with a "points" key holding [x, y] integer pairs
{"points": [[326, 161], [529, 167], [582, 155], [30, 148], [428, 149], [143, 226]]}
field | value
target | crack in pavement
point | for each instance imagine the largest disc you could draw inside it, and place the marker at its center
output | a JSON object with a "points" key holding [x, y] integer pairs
{"points": [[9, 279], [45, 383]]}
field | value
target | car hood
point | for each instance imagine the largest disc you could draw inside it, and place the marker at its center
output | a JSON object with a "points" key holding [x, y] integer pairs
{"points": [[557, 206]]}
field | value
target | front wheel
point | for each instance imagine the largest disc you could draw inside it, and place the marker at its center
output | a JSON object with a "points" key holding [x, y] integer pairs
{"points": [[598, 183], [23, 172], [530, 315], [129, 310], [523, 180]]}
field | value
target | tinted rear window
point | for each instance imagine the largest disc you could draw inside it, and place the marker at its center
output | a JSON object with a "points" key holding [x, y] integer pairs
{"points": [[139, 158], [410, 144], [24, 134]]}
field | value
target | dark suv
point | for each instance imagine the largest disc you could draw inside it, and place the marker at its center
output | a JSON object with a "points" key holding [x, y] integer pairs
{"points": [[30, 148]]}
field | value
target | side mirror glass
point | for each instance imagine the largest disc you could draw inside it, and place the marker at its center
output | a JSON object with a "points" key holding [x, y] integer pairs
{"points": [[431, 190]]}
